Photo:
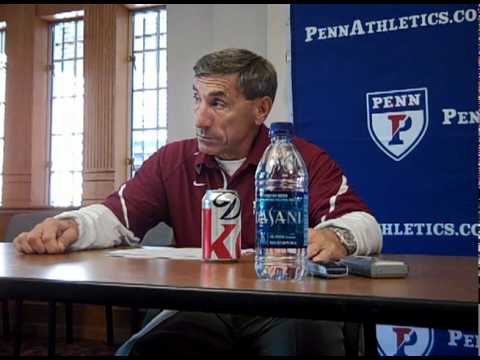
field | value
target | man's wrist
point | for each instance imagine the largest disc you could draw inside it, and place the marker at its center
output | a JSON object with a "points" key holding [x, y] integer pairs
{"points": [[72, 222], [346, 238]]}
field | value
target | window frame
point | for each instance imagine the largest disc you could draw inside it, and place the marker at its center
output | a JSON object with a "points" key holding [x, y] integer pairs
{"points": [[158, 88], [50, 98]]}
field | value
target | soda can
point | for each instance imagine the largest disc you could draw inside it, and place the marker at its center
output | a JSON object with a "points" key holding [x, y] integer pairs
{"points": [[221, 225]]}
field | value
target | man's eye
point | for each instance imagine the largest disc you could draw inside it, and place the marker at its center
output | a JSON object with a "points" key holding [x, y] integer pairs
{"points": [[219, 103], [196, 98]]}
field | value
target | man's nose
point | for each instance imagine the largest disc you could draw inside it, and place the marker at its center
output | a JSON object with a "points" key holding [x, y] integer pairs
{"points": [[203, 117]]}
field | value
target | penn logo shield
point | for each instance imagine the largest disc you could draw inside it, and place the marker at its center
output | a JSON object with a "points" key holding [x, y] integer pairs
{"points": [[397, 120], [404, 341]]}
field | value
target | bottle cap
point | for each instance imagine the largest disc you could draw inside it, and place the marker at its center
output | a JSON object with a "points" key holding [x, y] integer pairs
{"points": [[281, 128]]}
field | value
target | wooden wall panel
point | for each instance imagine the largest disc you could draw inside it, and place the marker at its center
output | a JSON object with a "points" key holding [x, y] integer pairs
{"points": [[16, 186], [18, 111], [48, 11], [106, 103], [26, 107]]}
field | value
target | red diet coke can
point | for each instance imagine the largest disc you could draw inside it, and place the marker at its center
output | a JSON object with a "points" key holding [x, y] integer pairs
{"points": [[221, 225]]}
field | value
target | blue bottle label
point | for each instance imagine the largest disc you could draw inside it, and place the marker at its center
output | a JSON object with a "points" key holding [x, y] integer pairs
{"points": [[282, 219]]}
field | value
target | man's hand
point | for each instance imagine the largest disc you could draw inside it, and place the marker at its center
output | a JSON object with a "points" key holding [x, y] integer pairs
{"points": [[52, 236], [324, 245]]}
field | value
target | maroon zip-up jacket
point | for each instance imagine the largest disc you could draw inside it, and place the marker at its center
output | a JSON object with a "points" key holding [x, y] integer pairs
{"points": [[171, 183]]}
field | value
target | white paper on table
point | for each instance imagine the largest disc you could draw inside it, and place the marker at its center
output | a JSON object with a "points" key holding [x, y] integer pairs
{"points": [[166, 252]]}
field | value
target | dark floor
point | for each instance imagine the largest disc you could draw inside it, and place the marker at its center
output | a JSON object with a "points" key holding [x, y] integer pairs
{"points": [[38, 347]]}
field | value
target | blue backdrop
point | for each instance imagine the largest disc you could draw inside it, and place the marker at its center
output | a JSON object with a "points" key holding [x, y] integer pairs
{"points": [[390, 91]]}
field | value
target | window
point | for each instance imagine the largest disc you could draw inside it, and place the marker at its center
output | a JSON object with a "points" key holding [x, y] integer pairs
{"points": [[149, 83], [66, 113], [3, 76]]}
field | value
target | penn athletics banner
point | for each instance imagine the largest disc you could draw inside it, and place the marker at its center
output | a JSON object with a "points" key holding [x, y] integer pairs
{"points": [[390, 91], [395, 340]]}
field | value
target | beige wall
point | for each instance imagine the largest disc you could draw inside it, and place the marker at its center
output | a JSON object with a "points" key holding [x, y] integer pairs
{"points": [[194, 30]]}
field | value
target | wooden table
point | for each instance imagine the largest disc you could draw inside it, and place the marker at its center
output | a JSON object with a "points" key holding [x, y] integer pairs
{"points": [[440, 291]]}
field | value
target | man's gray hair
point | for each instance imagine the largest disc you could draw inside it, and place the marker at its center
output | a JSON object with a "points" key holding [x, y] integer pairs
{"points": [[257, 76]]}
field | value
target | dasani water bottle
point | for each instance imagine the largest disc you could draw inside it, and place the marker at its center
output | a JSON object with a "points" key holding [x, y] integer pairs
{"points": [[281, 208]]}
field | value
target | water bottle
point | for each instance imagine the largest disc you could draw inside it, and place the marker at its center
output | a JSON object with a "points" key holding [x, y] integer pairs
{"points": [[281, 208]]}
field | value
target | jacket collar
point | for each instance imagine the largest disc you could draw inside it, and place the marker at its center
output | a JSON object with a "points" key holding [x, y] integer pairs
{"points": [[259, 145]]}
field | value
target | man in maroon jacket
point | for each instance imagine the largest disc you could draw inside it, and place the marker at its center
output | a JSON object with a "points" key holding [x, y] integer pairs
{"points": [[233, 91]]}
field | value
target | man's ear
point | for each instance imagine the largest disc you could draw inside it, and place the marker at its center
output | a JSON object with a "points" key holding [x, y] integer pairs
{"points": [[263, 106]]}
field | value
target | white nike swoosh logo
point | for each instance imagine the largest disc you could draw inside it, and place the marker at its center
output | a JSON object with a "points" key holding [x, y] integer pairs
{"points": [[198, 184]]}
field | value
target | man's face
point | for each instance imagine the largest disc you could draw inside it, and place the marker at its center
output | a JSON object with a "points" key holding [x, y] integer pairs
{"points": [[225, 120]]}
